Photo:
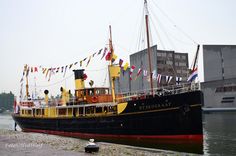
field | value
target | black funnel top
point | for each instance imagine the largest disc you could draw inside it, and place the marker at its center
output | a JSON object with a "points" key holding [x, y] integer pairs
{"points": [[78, 73]]}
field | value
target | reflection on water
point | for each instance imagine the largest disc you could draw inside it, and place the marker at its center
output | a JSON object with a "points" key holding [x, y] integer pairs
{"points": [[219, 135], [6, 121]]}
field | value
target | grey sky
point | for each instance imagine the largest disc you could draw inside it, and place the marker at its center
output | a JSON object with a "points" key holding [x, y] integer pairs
{"points": [[59, 32]]}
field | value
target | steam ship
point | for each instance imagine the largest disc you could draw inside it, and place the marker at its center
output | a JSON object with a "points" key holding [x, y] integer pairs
{"points": [[170, 115]]}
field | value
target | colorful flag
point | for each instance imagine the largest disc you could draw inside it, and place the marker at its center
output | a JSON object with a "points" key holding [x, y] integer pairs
{"points": [[57, 69], [159, 78], [81, 63], [126, 66], [168, 79], [91, 82], [138, 73], [25, 67], [48, 72], [154, 75], [178, 80], [99, 52], [85, 76], [65, 71], [94, 54], [145, 73], [120, 62], [114, 57], [131, 71], [27, 72], [193, 75], [108, 56], [88, 61], [51, 70], [104, 52], [62, 68], [44, 70], [35, 69], [70, 65], [21, 80]]}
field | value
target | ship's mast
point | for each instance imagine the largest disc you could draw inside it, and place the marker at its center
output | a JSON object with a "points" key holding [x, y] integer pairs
{"points": [[148, 46], [111, 63], [196, 57], [27, 82]]}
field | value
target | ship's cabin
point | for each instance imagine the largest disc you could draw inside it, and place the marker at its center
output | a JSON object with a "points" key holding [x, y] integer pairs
{"points": [[93, 95], [86, 110]]}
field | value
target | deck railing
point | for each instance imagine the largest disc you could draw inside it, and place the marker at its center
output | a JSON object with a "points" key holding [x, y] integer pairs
{"points": [[161, 91], [124, 96]]}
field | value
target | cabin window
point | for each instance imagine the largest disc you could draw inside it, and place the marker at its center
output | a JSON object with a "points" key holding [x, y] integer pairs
{"points": [[38, 112], [98, 109], [75, 111], [29, 112], [102, 91], [91, 92], [90, 110], [62, 111], [81, 111], [98, 92], [106, 91], [105, 109], [69, 111]]}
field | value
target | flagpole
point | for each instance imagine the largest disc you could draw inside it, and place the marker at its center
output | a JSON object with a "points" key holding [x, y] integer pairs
{"points": [[111, 64], [27, 82], [148, 47]]}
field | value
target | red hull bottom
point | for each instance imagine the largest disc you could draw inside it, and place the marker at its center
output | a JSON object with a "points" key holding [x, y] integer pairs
{"points": [[141, 138]]}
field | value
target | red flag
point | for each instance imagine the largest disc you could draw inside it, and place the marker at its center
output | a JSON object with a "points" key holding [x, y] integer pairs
{"points": [[139, 72], [35, 69], [131, 71], [120, 62], [108, 56], [85, 77]]}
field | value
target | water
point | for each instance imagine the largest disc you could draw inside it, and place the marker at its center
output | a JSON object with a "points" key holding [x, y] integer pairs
{"points": [[6, 121], [219, 132]]}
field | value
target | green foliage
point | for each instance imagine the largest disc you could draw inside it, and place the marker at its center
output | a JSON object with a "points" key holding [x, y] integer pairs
{"points": [[6, 101]]}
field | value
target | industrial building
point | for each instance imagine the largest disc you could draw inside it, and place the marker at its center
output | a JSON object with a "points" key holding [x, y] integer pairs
{"points": [[219, 86], [165, 63]]}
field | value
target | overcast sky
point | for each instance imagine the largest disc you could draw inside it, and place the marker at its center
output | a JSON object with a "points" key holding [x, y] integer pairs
{"points": [[54, 33]]}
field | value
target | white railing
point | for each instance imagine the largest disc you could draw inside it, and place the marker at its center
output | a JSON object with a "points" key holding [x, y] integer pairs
{"points": [[160, 91]]}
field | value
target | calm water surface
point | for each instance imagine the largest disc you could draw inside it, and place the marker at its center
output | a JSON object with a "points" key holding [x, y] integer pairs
{"points": [[219, 132]]}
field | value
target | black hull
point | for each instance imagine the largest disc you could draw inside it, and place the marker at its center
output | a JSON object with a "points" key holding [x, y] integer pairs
{"points": [[171, 119]]}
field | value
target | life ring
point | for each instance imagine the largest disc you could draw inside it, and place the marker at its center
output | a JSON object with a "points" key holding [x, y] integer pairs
{"points": [[94, 99]]}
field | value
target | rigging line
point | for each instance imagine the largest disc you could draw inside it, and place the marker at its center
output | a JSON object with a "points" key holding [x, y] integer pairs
{"points": [[155, 29], [168, 34], [163, 29], [161, 26], [53, 84], [140, 32], [142, 43], [96, 70], [172, 22]]}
